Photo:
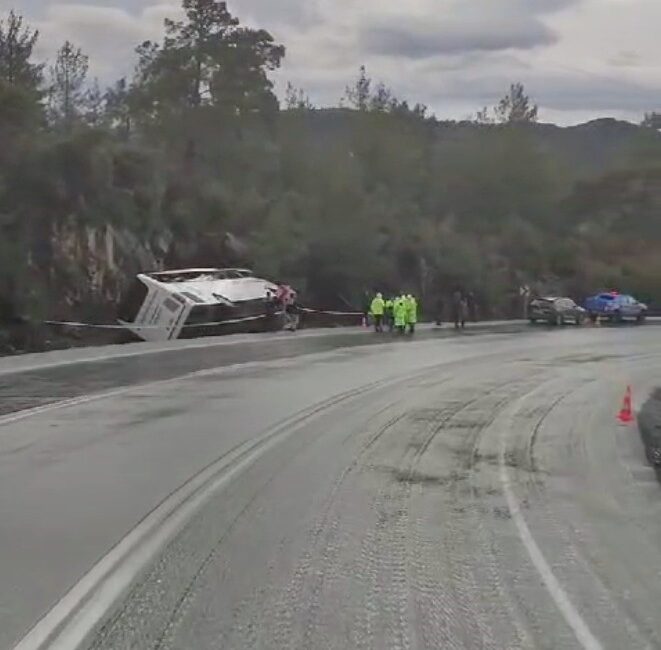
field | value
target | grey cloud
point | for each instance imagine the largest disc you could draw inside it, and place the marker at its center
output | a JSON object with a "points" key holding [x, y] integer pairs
{"points": [[626, 59], [570, 91], [421, 41], [601, 94], [454, 55], [108, 34], [544, 6], [290, 13], [478, 25]]}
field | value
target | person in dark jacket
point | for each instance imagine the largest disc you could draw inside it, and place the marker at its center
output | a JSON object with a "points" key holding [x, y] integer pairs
{"points": [[292, 312], [459, 309], [389, 314], [440, 309], [471, 305]]}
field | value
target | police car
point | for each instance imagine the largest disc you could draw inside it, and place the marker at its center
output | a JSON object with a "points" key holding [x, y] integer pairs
{"points": [[616, 307]]}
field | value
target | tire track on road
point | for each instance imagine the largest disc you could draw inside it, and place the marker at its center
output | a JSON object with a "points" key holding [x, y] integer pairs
{"points": [[487, 495], [454, 597], [448, 598], [575, 546], [236, 457], [294, 598], [283, 627]]}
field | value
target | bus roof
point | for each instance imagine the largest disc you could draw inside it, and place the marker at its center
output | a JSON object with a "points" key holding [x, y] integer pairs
{"points": [[183, 275]]}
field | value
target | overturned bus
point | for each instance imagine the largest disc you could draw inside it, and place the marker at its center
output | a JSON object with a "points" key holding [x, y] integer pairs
{"points": [[191, 303]]}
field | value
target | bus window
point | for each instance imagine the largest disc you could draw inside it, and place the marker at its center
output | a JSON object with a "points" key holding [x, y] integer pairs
{"points": [[171, 305], [192, 296]]}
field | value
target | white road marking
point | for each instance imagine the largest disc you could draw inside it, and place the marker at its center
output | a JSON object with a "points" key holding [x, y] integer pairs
{"points": [[69, 624], [146, 349], [60, 404], [23, 414], [74, 617], [10, 418], [110, 353], [571, 615]]}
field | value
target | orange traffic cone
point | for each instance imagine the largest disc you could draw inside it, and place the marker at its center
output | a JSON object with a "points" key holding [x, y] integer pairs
{"points": [[626, 412]]}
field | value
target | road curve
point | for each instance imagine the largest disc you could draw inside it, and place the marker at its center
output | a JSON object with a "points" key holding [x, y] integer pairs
{"points": [[471, 492]]}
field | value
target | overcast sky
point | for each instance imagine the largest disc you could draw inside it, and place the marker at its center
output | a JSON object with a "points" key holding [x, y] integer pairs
{"points": [[579, 59]]}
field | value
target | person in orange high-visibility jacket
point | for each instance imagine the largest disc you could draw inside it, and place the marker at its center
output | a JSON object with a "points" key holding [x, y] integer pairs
{"points": [[411, 312]]}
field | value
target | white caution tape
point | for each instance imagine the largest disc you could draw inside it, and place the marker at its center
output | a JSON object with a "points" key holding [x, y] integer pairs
{"points": [[232, 321], [153, 327], [60, 323], [332, 313]]}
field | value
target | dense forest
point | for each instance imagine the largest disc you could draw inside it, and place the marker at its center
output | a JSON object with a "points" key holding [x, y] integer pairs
{"points": [[194, 160]]}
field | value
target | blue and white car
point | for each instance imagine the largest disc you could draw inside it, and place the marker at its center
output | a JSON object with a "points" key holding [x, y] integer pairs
{"points": [[616, 307]]}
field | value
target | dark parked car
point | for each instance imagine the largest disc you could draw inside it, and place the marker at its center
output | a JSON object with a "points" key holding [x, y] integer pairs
{"points": [[616, 307], [556, 311]]}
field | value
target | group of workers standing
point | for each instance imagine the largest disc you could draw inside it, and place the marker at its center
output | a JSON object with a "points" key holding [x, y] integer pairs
{"points": [[399, 313]]}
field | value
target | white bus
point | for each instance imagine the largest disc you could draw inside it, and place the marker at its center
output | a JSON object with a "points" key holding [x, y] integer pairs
{"points": [[193, 302]]}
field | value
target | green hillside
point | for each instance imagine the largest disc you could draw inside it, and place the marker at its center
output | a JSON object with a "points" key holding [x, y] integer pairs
{"points": [[192, 162]]}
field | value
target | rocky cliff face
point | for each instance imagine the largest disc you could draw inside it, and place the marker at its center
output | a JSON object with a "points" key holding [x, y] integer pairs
{"points": [[74, 273], [79, 273], [97, 263]]}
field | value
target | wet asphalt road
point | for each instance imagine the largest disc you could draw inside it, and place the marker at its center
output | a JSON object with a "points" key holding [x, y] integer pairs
{"points": [[467, 492], [44, 379]]}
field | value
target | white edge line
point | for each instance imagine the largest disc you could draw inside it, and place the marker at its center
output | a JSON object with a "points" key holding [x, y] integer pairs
{"points": [[115, 572], [70, 622], [169, 349], [131, 555], [570, 613], [10, 418], [55, 406], [204, 343], [23, 414]]}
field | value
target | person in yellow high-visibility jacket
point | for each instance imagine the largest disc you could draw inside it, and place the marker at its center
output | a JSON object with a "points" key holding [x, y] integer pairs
{"points": [[400, 314], [411, 312], [377, 309], [389, 314]]}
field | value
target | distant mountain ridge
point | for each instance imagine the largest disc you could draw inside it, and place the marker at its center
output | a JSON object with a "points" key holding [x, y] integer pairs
{"points": [[593, 148]]}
